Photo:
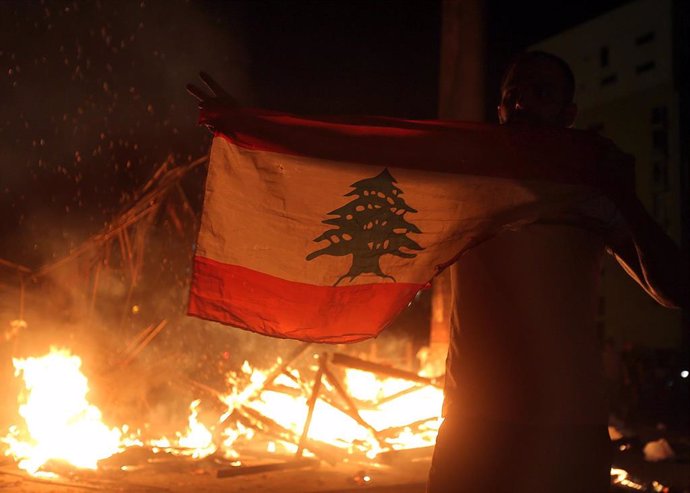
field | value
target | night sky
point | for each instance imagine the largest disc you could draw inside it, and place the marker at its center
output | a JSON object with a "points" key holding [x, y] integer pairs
{"points": [[93, 97]]}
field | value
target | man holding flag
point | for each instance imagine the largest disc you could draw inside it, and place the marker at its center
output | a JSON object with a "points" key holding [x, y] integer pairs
{"points": [[323, 229], [524, 392]]}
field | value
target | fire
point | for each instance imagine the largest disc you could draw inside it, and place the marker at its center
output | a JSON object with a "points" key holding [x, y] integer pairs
{"points": [[198, 441], [61, 424], [390, 403], [412, 404]]}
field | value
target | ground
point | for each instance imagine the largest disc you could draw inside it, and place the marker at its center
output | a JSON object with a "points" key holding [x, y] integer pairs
{"points": [[404, 474]]}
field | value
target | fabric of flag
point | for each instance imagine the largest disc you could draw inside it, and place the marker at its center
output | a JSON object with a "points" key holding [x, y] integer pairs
{"points": [[324, 229]]}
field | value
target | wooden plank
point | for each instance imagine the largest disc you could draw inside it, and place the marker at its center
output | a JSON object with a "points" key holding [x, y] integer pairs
{"points": [[260, 468], [384, 370], [312, 403], [352, 410]]}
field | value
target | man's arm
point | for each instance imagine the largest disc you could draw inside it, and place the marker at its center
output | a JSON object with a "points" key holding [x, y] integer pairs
{"points": [[645, 251], [652, 258]]}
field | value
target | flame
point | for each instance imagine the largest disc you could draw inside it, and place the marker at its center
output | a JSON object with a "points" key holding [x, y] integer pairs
{"points": [[420, 405], [60, 422], [621, 477], [198, 440], [413, 404], [61, 425]]}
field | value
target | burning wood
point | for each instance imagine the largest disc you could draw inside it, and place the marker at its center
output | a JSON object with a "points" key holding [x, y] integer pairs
{"points": [[352, 410], [383, 370], [141, 341], [328, 453], [312, 402], [326, 418]]}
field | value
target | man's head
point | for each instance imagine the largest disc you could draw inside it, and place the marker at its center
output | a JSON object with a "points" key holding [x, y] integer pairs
{"points": [[538, 89]]}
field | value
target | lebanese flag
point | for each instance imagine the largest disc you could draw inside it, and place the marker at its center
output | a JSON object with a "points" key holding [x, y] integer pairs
{"points": [[325, 229]]}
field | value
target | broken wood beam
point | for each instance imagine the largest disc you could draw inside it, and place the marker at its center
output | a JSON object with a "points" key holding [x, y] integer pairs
{"points": [[312, 403], [260, 468], [380, 369], [277, 370], [294, 354], [284, 389], [396, 430], [14, 266], [394, 396], [140, 345], [352, 409], [263, 423], [254, 419], [392, 457]]}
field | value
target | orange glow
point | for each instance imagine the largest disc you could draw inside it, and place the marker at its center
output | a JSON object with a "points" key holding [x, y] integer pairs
{"points": [[59, 422]]}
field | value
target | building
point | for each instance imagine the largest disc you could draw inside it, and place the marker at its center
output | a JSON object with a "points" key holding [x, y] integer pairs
{"points": [[631, 68]]}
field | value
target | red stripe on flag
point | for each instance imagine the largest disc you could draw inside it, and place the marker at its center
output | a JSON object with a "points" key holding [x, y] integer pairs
{"points": [[272, 306]]}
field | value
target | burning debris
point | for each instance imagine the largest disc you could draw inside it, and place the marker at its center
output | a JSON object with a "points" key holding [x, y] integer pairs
{"points": [[278, 414], [306, 409]]}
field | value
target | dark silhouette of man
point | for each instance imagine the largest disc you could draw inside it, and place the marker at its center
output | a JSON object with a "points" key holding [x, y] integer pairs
{"points": [[525, 406]]}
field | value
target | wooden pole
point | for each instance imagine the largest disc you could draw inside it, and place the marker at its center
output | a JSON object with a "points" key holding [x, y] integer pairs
{"points": [[22, 296], [312, 404], [94, 289], [462, 96], [353, 412], [147, 339], [277, 370]]}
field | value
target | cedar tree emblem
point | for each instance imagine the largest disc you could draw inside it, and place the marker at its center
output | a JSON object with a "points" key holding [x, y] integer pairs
{"points": [[373, 224]]}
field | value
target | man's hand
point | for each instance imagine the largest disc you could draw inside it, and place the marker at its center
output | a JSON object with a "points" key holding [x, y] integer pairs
{"points": [[211, 105]]}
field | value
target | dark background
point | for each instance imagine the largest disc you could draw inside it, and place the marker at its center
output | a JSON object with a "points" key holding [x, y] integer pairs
{"points": [[93, 93]]}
